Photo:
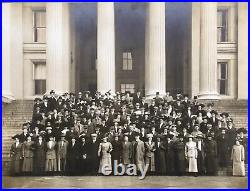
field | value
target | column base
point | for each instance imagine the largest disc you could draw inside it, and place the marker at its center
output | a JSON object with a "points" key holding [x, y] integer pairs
{"points": [[209, 96], [7, 97]]}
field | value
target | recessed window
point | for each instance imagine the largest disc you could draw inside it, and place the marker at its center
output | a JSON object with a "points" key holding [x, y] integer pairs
{"points": [[223, 78], [222, 25], [127, 61], [39, 26], [128, 87], [40, 77]]}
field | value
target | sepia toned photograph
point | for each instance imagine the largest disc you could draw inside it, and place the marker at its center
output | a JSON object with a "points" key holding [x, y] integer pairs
{"points": [[125, 95]]}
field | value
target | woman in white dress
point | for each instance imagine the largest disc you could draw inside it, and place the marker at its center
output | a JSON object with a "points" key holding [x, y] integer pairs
{"points": [[238, 157], [104, 151], [191, 155]]}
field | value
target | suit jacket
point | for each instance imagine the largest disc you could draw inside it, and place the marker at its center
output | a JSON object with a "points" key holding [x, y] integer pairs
{"points": [[51, 152], [62, 149], [28, 149], [73, 151], [150, 149], [127, 152], [138, 152]]}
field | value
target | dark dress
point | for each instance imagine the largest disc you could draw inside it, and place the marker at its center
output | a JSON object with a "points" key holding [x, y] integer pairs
{"points": [[211, 157], [223, 150], [83, 159], [72, 159], [28, 154], [160, 158], [93, 157], [39, 157], [116, 151], [170, 158], [180, 160], [16, 158]]}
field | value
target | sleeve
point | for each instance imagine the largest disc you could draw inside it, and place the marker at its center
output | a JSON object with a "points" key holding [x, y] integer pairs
{"points": [[232, 153], [99, 150], [110, 147], [143, 148], [130, 150], [242, 153], [23, 148], [215, 148], [186, 150]]}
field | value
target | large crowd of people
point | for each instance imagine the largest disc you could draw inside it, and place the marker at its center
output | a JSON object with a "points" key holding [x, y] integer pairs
{"points": [[174, 135]]}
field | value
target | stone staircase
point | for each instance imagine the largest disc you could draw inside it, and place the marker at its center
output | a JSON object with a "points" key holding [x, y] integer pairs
{"points": [[17, 112], [14, 114]]}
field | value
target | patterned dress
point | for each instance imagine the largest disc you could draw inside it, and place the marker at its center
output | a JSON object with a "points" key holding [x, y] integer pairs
{"points": [[104, 152], [28, 154]]}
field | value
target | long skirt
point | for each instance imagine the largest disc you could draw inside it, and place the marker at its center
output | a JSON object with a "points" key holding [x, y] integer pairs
{"points": [[211, 165], [192, 165], [15, 166], [151, 162], [27, 164], [50, 165], [238, 168], [105, 161]]}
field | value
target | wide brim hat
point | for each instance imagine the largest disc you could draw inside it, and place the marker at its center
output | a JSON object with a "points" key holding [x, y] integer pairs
{"points": [[82, 135], [37, 99], [215, 112], [242, 130], [225, 114], [190, 136], [201, 104], [16, 136], [93, 135], [150, 135], [48, 128]]}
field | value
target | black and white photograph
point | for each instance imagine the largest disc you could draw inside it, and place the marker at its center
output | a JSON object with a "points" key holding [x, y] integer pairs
{"points": [[125, 95]]}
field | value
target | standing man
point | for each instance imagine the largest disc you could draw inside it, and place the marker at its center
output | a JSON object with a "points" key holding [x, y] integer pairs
{"points": [[139, 153], [62, 153]]}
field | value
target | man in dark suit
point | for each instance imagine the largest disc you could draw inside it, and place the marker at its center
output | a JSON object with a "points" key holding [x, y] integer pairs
{"points": [[52, 100], [137, 98]]}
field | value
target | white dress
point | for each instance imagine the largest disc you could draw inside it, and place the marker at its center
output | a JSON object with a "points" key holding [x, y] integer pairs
{"points": [[104, 150], [238, 160], [191, 154]]}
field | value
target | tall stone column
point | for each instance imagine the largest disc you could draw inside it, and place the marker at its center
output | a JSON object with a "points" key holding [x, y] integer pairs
{"points": [[155, 59], [6, 53], [105, 47], [58, 47], [208, 51]]}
